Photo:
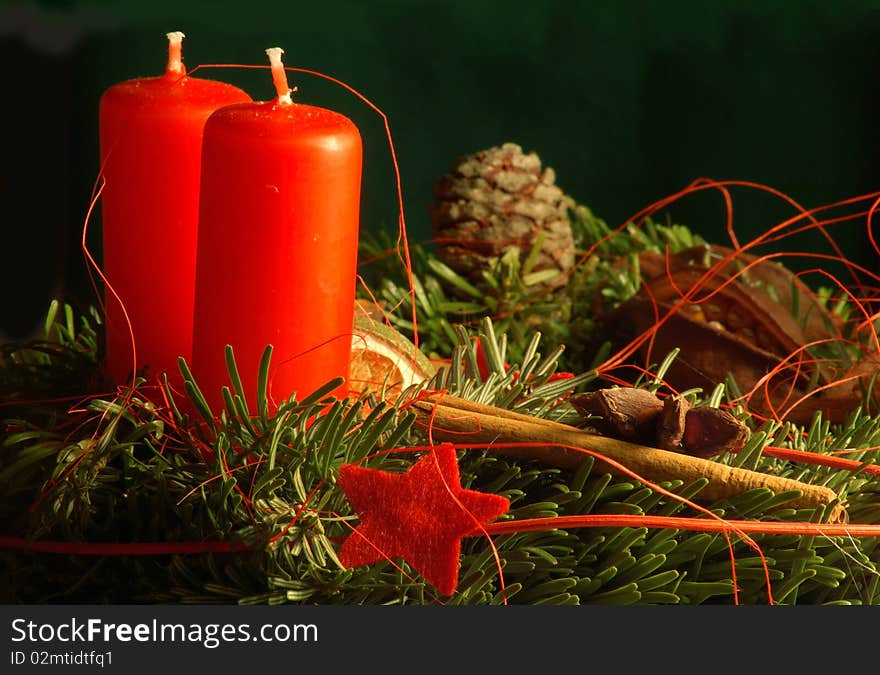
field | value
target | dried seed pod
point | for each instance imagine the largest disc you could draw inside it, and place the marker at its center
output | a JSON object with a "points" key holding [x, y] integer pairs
{"points": [[624, 412], [712, 431], [701, 432], [671, 423], [745, 317], [632, 414]]}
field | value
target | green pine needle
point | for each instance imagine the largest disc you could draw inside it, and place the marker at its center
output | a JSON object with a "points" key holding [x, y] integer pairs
{"points": [[117, 469]]}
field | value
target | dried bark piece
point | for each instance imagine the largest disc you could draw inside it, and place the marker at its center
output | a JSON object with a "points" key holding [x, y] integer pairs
{"points": [[626, 413], [523, 437], [712, 431], [812, 318], [671, 424], [752, 325], [757, 319]]}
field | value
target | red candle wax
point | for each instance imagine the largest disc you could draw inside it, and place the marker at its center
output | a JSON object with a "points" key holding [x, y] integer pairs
{"points": [[277, 251], [150, 139]]}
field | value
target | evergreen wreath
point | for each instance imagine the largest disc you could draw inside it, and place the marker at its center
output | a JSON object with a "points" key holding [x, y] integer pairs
{"points": [[115, 498]]}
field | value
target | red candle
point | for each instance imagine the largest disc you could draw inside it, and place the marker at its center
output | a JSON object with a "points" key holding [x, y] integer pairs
{"points": [[151, 138], [277, 252]]}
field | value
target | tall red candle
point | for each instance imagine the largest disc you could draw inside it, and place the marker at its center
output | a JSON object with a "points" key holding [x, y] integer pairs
{"points": [[151, 139], [277, 251]]}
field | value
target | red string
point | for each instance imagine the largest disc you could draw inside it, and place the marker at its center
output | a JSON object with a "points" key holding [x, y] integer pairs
{"points": [[113, 549], [683, 523], [833, 462]]}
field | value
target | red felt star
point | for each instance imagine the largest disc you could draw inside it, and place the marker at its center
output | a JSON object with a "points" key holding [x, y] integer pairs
{"points": [[420, 516]]}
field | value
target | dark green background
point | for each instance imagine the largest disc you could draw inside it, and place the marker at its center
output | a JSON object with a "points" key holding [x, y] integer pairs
{"points": [[627, 101]]}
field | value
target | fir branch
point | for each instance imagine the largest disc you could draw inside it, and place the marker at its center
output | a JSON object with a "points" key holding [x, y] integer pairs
{"points": [[122, 470], [63, 365], [512, 295]]}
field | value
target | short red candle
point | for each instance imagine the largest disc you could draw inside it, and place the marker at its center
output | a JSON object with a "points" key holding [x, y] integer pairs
{"points": [[277, 251], [151, 138]]}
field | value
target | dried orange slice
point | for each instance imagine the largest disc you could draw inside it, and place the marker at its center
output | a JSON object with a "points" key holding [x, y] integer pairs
{"points": [[383, 361]]}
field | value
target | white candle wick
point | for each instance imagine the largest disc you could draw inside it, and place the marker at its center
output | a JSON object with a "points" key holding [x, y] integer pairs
{"points": [[175, 62], [279, 76]]}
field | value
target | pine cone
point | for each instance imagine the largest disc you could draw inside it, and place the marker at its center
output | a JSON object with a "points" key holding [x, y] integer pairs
{"points": [[498, 198]]}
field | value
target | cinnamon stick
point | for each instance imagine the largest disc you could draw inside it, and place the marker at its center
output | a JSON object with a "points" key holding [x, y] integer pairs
{"points": [[458, 420]]}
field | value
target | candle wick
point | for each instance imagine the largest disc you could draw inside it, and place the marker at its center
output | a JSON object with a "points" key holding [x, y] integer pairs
{"points": [[279, 76], [175, 62]]}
